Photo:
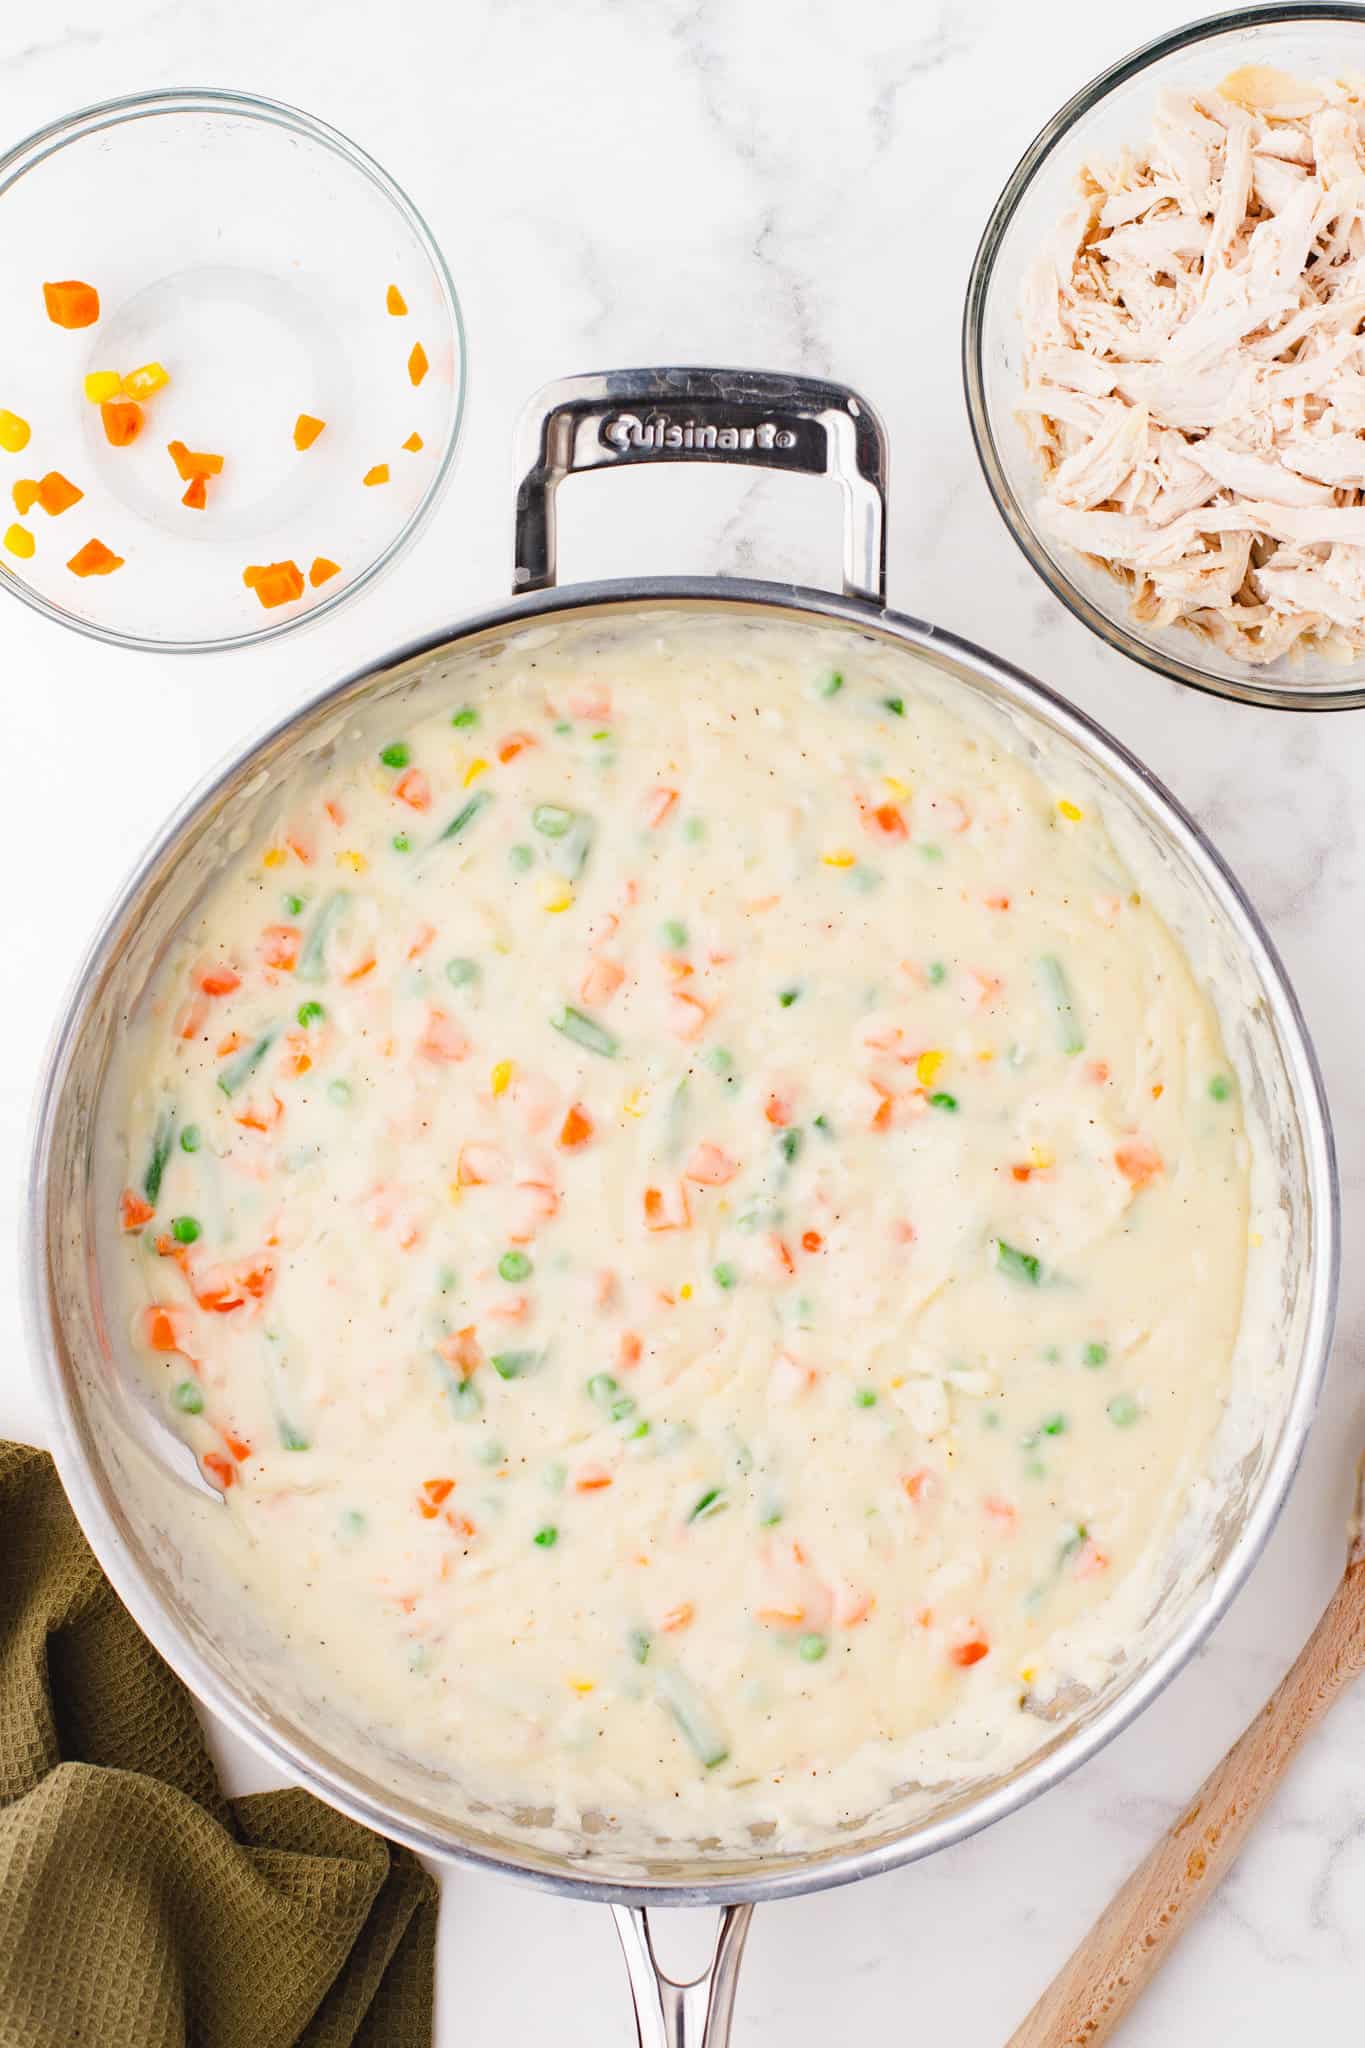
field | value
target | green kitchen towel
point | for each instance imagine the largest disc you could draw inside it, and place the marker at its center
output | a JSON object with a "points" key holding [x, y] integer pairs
{"points": [[139, 1907]]}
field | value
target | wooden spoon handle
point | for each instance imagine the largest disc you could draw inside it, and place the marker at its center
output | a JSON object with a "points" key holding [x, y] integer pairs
{"points": [[1095, 1989]]}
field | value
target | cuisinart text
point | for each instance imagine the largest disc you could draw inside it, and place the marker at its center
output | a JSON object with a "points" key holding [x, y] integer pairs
{"points": [[627, 430]]}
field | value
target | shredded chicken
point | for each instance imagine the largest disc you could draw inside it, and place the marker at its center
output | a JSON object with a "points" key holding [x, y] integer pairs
{"points": [[1195, 367]]}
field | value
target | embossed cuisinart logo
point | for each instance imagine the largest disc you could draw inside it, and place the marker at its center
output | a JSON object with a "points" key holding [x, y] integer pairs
{"points": [[659, 433]]}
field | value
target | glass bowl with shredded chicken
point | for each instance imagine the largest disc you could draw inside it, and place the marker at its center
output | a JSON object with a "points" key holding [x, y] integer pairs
{"points": [[1164, 356]]}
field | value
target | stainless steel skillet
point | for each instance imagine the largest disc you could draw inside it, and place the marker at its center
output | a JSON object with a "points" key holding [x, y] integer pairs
{"points": [[155, 1532]]}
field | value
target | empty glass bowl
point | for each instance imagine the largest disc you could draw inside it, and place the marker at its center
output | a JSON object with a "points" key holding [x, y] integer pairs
{"points": [[1115, 109], [250, 251]]}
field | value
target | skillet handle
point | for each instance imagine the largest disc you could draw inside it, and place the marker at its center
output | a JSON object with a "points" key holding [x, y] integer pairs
{"points": [[692, 2015], [761, 417]]}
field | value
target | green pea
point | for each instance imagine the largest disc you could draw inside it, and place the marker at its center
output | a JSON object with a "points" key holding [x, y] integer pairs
{"points": [[1123, 1411], [520, 857], [401, 843], [187, 1397], [930, 852], [787, 997], [293, 904], [895, 705], [465, 718], [339, 1092], [189, 1138], [724, 1275], [461, 972], [352, 1522], [619, 1410], [694, 831], [563, 726], [546, 1537], [489, 1453], [720, 1061], [514, 1266], [937, 972], [1054, 1425], [812, 1648], [865, 1398], [640, 1429], [1094, 1353], [310, 1013], [184, 1229], [832, 684], [552, 820], [675, 934], [1220, 1087], [396, 754], [602, 1388]]}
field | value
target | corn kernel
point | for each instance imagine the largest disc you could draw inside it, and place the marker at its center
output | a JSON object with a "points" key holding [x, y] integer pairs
{"points": [[356, 862], [838, 859], [557, 897], [20, 541], [581, 1684], [685, 1291], [1028, 1673], [1255, 1240], [987, 1052], [898, 789], [474, 771], [14, 432], [1070, 810], [926, 1066], [1040, 1158], [274, 857], [102, 384], [502, 1074], [454, 1190], [142, 382], [25, 492], [634, 1104], [897, 1379]]}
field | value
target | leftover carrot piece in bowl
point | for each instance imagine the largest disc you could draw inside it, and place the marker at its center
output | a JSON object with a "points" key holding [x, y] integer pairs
{"points": [[417, 363], [14, 432], [57, 493], [306, 430], [102, 384], [414, 442], [122, 419], [274, 582], [322, 569], [141, 383], [196, 494], [94, 559], [25, 492], [20, 541], [378, 475], [191, 463], [395, 301], [71, 304]]}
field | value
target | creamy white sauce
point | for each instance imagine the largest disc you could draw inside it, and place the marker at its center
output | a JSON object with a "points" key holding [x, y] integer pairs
{"points": [[768, 1151]]}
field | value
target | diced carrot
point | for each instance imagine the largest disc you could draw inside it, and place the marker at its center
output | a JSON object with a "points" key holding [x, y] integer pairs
{"points": [[192, 463], [420, 940], [462, 1350], [57, 493], [378, 474], [280, 946], [297, 1058], [218, 979], [217, 1465], [778, 1109], [997, 903], [26, 492], [851, 1604], [323, 570], [782, 1258], [600, 983], [882, 1114], [417, 363], [1022, 1172], [710, 1167], [196, 494], [1090, 1561], [70, 303], [414, 444], [274, 582], [122, 419], [479, 1165], [232, 1042], [629, 1350], [665, 1213], [790, 1615], [394, 302], [591, 1479], [160, 1328], [885, 821], [902, 1231], [133, 1212], [687, 1014], [513, 744], [1138, 1162], [437, 1490], [677, 1617], [658, 804], [811, 1241], [576, 1129], [240, 1450], [414, 790], [94, 559], [789, 1379], [966, 1654], [306, 430], [191, 1018], [1002, 1512], [253, 1118], [442, 1038], [921, 1486]]}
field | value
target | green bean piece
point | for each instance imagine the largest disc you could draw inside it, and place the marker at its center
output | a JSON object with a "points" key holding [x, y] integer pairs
{"points": [[547, 1536], [787, 996], [466, 815], [583, 1031], [552, 819], [832, 684], [292, 1439], [163, 1138], [712, 1502], [603, 1389], [312, 964], [1058, 992], [464, 719], [189, 1138], [244, 1066], [311, 1013], [693, 1716], [895, 705], [1094, 1354], [638, 1642], [941, 1099], [510, 1365], [1019, 1265], [724, 1275]]}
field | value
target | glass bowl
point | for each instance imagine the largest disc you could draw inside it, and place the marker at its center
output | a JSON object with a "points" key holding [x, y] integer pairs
{"points": [[1113, 110], [249, 250]]}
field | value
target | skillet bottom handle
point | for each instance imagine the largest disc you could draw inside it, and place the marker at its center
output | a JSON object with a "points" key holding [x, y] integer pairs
{"points": [[692, 2015]]}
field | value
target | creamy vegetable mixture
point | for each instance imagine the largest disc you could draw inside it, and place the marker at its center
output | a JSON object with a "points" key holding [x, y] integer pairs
{"points": [[696, 1217]]}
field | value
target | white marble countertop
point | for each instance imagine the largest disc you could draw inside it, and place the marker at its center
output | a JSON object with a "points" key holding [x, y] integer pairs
{"points": [[799, 188]]}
